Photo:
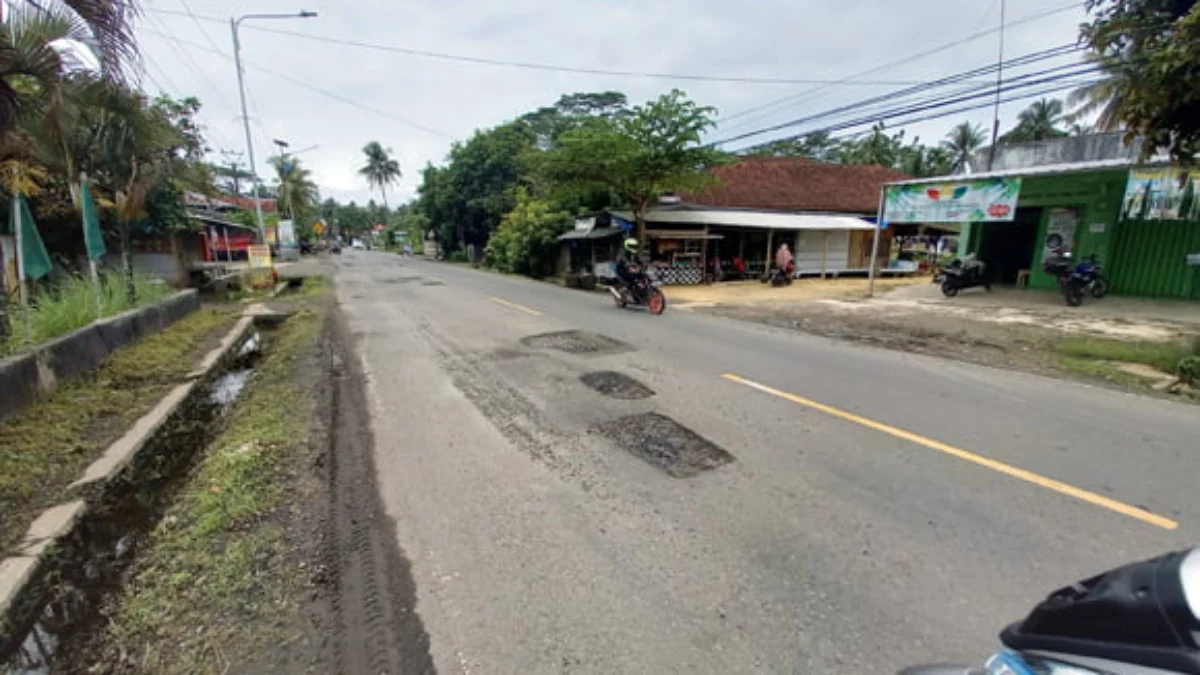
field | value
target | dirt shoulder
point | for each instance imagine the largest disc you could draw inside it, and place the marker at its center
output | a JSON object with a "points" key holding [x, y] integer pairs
{"points": [[274, 557], [1139, 355], [46, 446]]}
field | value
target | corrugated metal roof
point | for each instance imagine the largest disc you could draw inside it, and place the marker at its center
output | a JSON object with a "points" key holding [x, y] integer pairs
{"points": [[1047, 170], [594, 233], [771, 220]]}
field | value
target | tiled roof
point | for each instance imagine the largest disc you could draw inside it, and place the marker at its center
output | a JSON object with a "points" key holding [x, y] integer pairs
{"points": [[796, 184]]}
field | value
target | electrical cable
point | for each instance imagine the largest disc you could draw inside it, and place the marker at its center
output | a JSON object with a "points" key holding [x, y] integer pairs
{"points": [[904, 121], [808, 93], [1027, 59], [543, 66], [301, 83]]}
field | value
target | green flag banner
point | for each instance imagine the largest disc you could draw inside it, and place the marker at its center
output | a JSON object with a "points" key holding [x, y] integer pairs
{"points": [[91, 224], [33, 251]]}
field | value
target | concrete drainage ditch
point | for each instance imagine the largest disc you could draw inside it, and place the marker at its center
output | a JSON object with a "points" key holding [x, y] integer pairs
{"points": [[77, 553]]}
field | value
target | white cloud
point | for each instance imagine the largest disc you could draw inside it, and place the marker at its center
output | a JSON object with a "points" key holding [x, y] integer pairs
{"points": [[793, 39]]}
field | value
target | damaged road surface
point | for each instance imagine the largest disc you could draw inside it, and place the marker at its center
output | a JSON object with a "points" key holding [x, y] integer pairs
{"points": [[578, 489]]}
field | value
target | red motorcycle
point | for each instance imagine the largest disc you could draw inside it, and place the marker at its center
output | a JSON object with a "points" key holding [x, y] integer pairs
{"points": [[642, 291]]}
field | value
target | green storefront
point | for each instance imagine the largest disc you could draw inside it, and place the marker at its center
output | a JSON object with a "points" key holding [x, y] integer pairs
{"points": [[1142, 223]]}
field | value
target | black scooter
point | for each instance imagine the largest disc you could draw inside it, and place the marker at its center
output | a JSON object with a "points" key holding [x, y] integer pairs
{"points": [[965, 273], [1071, 281]]}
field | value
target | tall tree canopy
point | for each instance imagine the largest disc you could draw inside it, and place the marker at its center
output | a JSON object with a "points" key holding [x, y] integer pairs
{"points": [[1152, 47], [654, 149]]}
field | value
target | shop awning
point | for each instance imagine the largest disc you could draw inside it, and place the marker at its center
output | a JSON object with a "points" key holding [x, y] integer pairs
{"points": [[681, 234], [749, 218]]}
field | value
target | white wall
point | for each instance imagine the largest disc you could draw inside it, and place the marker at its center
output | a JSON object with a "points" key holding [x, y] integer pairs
{"points": [[811, 244]]}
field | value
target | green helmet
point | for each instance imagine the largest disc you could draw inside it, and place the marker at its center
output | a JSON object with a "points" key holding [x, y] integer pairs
{"points": [[631, 245]]}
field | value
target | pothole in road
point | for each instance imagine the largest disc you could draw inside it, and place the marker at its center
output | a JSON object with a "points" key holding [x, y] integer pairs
{"points": [[616, 385], [577, 342], [401, 280], [666, 444], [432, 283]]}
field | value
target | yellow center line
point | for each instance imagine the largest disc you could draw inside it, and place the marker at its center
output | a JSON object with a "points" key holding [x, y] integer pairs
{"points": [[1007, 469], [521, 308]]}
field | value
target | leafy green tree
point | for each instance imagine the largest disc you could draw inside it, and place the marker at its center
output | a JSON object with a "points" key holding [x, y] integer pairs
{"points": [[653, 150], [961, 143], [1038, 122], [466, 199], [527, 240], [1151, 49], [818, 145], [381, 169]]}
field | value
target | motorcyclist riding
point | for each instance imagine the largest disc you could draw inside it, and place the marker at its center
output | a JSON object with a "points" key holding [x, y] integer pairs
{"points": [[627, 257]]}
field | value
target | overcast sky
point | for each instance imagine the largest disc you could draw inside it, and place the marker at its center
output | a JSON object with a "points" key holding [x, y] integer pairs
{"points": [[418, 105]]}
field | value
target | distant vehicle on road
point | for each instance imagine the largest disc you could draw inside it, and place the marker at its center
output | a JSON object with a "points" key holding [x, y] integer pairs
{"points": [[641, 291], [336, 247], [358, 244]]}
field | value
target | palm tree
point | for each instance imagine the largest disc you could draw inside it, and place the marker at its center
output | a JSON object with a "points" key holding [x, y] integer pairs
{"points": [[1038, 122], [1106, 94], [380, 170], [112, 31], [296, 190], [31, 69], [962, 142]]}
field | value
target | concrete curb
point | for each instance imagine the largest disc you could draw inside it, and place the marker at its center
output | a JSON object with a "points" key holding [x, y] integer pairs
{"points": [[47, 531], [26, 377]]}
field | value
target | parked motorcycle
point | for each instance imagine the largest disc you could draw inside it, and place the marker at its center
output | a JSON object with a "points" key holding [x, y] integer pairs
{"points": [[967, 272], [1092, 274], [779, 277], [1070, 281], [1142, 618], [643, 291]]}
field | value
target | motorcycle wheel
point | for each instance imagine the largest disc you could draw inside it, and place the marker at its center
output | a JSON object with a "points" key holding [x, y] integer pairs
{"points": [[949, 289], [619, 301], [1074, 295], [1099, 288], [657, 302]]}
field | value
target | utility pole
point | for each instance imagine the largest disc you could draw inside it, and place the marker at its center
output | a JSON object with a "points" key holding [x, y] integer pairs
{"points": [[237, 62], [999, 81], [233, 158]]}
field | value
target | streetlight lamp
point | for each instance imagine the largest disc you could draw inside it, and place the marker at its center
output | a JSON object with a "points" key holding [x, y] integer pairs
{"points": [[237, 60]]}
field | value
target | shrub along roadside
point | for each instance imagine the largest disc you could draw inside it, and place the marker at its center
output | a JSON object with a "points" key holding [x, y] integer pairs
{"points": [[71, 304], [527, 240]]}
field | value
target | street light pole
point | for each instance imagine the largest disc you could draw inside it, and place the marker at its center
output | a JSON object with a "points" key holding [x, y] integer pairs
{"points": [[237, 61]]}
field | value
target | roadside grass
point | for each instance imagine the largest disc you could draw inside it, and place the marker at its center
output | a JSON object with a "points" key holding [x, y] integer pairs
{"points": [[310, 287], [71, 304], [1164, 356], [216, 583], [46, 446], [1103, 370]]}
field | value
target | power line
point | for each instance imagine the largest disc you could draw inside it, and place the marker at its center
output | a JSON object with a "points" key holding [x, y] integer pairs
{"points": [[807, 93], [525, 65], [1055, 82], [946, 113], [891, 97], [310, 87]]}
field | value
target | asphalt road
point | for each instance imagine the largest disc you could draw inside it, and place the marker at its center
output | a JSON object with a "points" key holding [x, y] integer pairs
{"points": [[882, 509]]}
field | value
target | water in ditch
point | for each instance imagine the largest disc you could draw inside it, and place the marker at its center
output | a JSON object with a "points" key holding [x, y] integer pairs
{"points": [[96, 556]]}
